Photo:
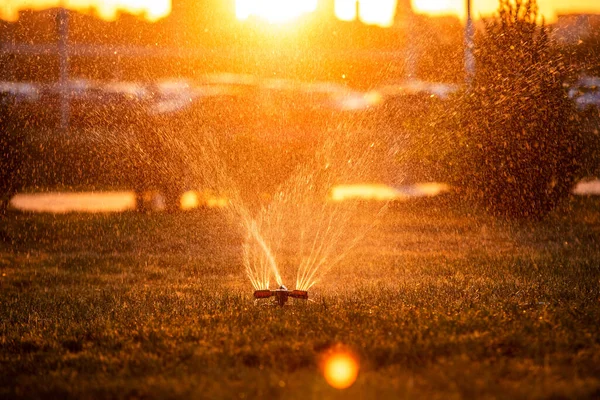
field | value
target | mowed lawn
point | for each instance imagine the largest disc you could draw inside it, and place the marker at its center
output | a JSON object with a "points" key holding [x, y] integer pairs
{"points": [[436, 302]]}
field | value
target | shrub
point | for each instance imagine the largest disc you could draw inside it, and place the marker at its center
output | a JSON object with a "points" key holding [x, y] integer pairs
{"points": [[519, 145]]}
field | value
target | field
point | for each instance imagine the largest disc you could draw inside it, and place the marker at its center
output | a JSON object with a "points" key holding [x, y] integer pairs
{"points": [[436, 302]]}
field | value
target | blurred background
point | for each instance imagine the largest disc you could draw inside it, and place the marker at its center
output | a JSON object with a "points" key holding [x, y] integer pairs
{"points": [[361, 43], [94, 93]]}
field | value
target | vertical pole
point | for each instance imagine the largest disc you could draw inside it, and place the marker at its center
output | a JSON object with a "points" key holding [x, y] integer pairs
{"points": [[63, 54], [412, 50], [469, 59], [405, 24]]}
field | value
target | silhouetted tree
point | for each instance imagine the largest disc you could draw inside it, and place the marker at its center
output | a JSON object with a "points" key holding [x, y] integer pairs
{"points": [[520, 146]]}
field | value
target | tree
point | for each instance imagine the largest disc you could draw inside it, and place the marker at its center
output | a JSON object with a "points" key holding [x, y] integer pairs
{"points": [[520, 146]]}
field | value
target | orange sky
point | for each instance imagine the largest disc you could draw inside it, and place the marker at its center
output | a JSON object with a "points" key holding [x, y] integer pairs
{"points": [[279, 11]]}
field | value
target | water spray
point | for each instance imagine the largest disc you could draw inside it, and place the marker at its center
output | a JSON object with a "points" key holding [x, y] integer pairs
{"points": [[281, 295]]}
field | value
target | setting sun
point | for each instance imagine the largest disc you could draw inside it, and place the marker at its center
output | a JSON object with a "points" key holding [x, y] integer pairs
{"points": [[274, 11], [376, 12]]}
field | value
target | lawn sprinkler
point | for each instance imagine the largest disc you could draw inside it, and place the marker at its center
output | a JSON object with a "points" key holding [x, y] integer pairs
{"points": [[281, 295]]}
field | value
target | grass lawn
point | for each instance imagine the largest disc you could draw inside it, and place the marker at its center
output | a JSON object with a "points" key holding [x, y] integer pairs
{"points": [[435, 302]]}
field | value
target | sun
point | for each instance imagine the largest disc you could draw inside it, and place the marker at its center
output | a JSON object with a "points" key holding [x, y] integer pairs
{"points": [[438, 7], [376, 12], [274, 11]]}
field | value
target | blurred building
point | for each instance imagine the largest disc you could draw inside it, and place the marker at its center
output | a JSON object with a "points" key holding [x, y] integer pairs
{"points": [[201, 36]]}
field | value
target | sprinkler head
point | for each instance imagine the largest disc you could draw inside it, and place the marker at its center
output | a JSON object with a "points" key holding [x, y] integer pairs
{"points": [[299, 294], [262, 294], [281, 295]]}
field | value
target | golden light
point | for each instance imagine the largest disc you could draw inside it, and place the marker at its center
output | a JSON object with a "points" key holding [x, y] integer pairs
{"points": [[194, 199], [274, 11], [375, 12], [372, 191], [65, 202], [550, 9], [340, 369], [379, 12], [152, 10], [439, 7], [345, 10], [189, 200]]}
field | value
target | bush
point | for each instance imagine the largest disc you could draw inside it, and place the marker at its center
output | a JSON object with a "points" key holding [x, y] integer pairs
{"points": [[520, 145]]}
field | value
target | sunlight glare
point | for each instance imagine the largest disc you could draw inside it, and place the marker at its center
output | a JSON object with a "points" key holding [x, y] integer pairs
{"points": [[189, 200], [439, 7], [274, 11], [345, 10], [375, 12], [379, 12]]}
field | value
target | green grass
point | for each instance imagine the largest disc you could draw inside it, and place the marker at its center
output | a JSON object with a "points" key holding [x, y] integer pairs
{"points": [[435, 301]]}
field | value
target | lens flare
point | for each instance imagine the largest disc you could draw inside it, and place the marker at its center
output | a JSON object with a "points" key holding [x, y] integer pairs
{"points": [[340, 369], [189, 200]]}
